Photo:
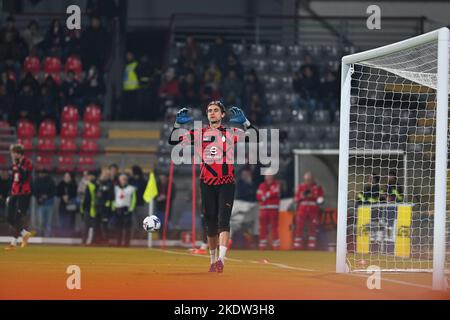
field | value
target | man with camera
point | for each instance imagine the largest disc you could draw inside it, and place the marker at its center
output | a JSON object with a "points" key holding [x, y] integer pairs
{"points": [[309, 197]]}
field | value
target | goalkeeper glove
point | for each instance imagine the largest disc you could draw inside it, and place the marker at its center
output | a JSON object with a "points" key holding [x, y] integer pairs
{"points": [[182, 118], [239, 117]]}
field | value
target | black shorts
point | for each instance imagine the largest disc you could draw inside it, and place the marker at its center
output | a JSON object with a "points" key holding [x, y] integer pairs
{"points": [[18, 208], [217, 203]]}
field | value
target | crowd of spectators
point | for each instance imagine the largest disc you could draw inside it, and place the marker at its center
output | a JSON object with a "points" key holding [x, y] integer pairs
{"points": [[59, 199], [198, 75], [40, 95]]}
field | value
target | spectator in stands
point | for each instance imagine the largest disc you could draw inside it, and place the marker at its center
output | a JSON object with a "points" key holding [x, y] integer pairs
{"points": [[25, 104], [104, 203], [147, 105], [73, 43], [190, 51], [114, 172], [329, 92], [81, 187], [54, 39], [13, 49], [10, 26], [7, 94], [252, 86], [372, 191], [130, 87], [306, 86], [169, 91], [256, 110], [218, 52], [308, 62], [104, 9], [190, 91], [44, 190], [162, 184], [245, 188], [50, 102], [125, 205], [71, 89], [233, 64], [94, 87], [394, 191], [88, 209], [32, 35], [68, 204], [4, 191], [232, 89], [95, 45], [139, 182], [32, 82], [212, 74]]}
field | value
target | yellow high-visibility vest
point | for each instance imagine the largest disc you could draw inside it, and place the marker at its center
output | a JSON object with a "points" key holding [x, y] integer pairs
{"points": [[131, 81]]}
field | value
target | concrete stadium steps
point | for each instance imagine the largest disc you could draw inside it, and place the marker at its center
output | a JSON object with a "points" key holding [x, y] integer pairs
{"points": [[147, 162], [130, 143], [408, 88]]}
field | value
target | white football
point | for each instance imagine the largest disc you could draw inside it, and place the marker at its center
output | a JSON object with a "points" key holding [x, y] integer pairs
{"points": [[151, 223]]}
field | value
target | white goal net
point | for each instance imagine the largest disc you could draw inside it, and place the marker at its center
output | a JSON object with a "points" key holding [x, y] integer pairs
{"points": [[393, 159]]}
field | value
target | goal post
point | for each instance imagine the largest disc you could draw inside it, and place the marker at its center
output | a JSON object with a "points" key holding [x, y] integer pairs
{"points": [[395, 98]]}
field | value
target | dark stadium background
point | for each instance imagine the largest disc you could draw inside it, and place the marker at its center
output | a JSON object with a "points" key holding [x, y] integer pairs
{"points": [[75, 127]]}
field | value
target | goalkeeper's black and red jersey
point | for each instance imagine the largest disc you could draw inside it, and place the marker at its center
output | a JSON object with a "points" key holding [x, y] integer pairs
{"points": [[21, 178], [216, 152]]}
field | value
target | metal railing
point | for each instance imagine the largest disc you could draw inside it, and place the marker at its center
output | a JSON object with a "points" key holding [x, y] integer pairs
{"points": [[347, 30]]}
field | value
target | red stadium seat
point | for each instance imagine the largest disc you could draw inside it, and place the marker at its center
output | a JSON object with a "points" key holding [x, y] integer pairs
{"points": [[32, 65], [3, 161], [44, 162], [88, 147], [73, 63], [26, 142], [68, 147], [25, 129], [47, 129], [46, 146], [69, 130], [69, 114], [4, 125], [52, 65], [85, 163], [92, 114], [65, 163], [91, 130]]}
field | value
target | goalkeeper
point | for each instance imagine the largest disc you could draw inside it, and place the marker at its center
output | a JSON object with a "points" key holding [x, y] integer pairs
{"points": [[217, 183]]}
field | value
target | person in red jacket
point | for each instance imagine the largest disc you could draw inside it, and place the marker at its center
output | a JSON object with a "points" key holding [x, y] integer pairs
{"points": [[308, 197], [19, 197], [268, 196]]}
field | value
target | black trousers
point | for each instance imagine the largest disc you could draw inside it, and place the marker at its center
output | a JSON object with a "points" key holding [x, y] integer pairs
{"points": [[123, 224], [17, 212], [217, 203]]}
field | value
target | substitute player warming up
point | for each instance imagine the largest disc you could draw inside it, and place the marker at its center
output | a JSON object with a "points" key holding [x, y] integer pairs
{"points": [[216, 173], [19, 197]]}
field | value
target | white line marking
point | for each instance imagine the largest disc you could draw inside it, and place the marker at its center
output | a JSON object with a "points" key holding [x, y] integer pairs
{"points": [[284, 266]]}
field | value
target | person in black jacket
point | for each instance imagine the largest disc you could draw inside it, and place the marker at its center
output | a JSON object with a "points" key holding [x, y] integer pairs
{"points": [[68, 205], [44, 190], [104, 200], [4, 189]]}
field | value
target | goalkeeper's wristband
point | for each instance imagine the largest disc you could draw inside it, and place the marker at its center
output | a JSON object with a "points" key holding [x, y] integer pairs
{"points": [[247, 124], [176, 125]]}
